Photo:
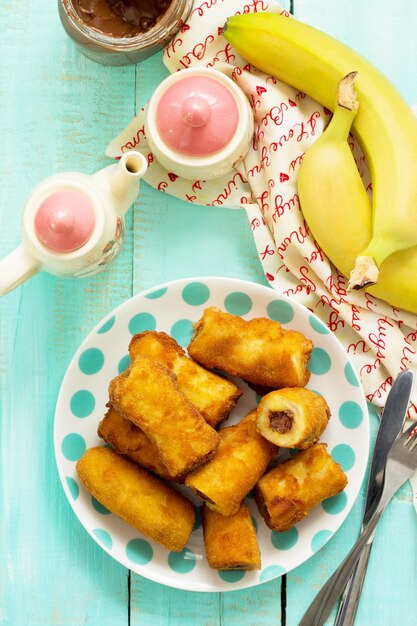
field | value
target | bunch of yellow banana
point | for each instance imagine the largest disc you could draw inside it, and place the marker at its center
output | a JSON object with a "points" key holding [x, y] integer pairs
{"points": [[350, 232]]}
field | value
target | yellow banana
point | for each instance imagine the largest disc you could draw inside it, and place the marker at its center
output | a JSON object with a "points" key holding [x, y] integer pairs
{"points": [[338, 209], [385, 126], [332, 196]]}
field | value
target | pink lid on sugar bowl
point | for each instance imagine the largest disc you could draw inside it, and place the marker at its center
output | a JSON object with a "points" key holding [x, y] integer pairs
{"points": [[199, 124]]}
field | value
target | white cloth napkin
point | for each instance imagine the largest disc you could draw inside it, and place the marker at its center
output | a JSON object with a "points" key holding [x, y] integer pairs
{"points": [[380, 339]]}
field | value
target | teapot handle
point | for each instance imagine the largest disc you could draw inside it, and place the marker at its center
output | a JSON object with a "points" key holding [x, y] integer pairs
{"points": [[17, 267]]}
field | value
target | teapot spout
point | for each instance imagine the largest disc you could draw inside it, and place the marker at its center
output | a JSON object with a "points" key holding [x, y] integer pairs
{"points": [[124, 179]]}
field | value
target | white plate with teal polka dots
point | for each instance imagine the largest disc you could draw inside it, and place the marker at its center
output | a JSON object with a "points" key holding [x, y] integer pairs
{"points": [[173, 307]]}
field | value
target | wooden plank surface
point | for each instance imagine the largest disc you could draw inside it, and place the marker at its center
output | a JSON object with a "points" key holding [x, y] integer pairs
{"points": [[55, 116], [58, 112]]}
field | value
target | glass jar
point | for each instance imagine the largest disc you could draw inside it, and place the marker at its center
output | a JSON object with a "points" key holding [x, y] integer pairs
{"points": [[111, 50]]}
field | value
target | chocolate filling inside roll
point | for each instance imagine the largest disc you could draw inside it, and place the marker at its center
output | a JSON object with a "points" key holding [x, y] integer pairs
{"points": [[281, 421], [203, 497]]}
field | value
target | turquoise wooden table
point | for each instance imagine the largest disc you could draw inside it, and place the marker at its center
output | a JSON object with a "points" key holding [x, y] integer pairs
{"points": [[58, 112]]}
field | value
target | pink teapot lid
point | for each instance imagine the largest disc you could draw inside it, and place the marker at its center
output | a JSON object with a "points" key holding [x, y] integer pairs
{"points": [[197, 116], [65, 221]]}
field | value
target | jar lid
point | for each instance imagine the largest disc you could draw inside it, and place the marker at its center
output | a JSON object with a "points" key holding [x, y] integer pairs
{"points": [[197, 116], [65, 221]]}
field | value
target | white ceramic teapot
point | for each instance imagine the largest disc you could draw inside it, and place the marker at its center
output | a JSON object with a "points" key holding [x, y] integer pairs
{"points": [[72, 223]]}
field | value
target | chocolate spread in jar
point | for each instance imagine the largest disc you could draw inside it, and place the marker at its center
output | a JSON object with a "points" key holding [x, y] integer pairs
{"points": [[120, 18]]}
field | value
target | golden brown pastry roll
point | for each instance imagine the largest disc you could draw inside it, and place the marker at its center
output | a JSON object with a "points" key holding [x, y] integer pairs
{"points": [[212, 395], [137, 497], [230, 540], [241, 459], [129, 440], [292, 417], [148, 395], [288, 492], [259, 350]]}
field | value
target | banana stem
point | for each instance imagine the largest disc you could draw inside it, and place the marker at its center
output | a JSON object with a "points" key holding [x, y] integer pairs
{"points": [[347, 106], [367, 266], [346, 94], [364, 274]]}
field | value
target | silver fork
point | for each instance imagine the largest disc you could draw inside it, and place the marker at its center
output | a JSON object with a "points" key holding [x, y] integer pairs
{"points": [[401, 464]]}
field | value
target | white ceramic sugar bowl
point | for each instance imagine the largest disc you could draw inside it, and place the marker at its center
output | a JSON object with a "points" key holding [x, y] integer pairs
{"points": [[199, 123]]}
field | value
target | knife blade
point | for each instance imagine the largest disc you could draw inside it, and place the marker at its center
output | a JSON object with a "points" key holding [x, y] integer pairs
{"points": [[391, 424]]}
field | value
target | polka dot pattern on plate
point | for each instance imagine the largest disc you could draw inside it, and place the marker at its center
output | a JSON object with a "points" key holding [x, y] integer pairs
{"points": [[141, 322], [82, 403], [231, 576], [158, 293], [182, 562], [238, 303], [173, 308], [73, 487], [351, 376], [91, 361], [350, 414], [195, 293], [139, 551], [182, 331], [280, 311], [104, 537], [99, 507], [320, 362], [320, 539], [336, 504], [73, 446], [123, 364], [344, 455], [107, 325], [270, 572], [318, 325], [284, 540]]}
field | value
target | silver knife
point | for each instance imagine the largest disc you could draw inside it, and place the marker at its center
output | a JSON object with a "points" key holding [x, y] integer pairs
{"points": [[391, 425]]}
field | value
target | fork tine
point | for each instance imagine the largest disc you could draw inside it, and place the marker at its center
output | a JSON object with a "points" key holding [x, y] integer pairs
{"points": [[409, 436], [414, 444]]}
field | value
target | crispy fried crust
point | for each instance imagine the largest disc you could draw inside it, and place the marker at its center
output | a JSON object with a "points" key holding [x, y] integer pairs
{"points": [[259, 350], [212, 395], [148, 395], [129, 440], [137, 497], [288, 492], [230, 540], [241, 459], [292, 417]]}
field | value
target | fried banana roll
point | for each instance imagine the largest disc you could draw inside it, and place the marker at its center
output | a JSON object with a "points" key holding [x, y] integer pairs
{"points": [[241, 459], [148, 395], [129, 440], [259, 350], [292, 417], [212, 395], [288, 492], [230, 540], [137, 497]]}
